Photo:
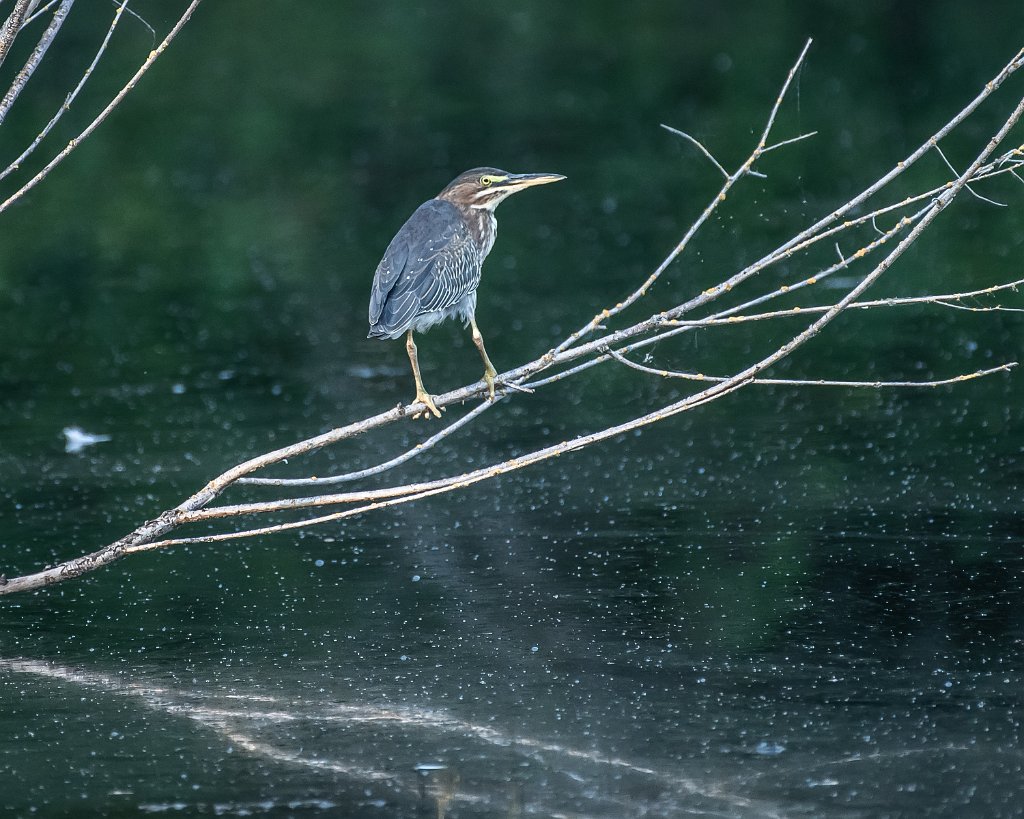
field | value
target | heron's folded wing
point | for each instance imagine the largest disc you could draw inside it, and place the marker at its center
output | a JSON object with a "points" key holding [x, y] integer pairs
{"points": [[429, 266]]}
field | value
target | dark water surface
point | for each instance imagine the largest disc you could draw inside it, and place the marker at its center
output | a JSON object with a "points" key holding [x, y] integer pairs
{"points": [[790, 602]]}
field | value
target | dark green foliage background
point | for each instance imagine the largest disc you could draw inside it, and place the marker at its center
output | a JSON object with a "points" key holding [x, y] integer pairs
{"points": [[805, 567]]}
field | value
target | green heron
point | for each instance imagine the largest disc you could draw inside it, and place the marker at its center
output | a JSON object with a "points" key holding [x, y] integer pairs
{"points": [[431, 269]]}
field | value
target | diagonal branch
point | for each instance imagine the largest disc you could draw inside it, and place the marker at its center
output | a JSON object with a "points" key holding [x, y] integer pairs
{"points": [[13, 166], [49, 35], [700, 147], [92, 126], [417, 450], [731, 179], [12, 25], [577, 353], [390, 495]]}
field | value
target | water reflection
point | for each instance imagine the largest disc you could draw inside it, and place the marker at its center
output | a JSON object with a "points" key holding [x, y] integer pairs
{"points": [[487, 772], [776, 737], [787, 604]]}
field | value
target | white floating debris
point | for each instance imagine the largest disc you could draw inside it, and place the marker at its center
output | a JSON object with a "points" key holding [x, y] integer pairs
{"points": [[769, 748], [76, 439]]}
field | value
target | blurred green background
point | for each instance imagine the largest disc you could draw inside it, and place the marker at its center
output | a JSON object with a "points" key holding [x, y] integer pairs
{"points": [[789, 602]]}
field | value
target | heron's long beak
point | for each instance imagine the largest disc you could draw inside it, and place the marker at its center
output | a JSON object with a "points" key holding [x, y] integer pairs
{"points": [[528, 180]]}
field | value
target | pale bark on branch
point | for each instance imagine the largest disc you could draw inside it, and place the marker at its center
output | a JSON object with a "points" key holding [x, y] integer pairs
{"points": [[596, 343], [15, 23]]}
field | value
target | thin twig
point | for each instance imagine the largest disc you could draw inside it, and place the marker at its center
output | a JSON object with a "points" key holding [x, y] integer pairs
{"points": [[994, 309], [139, 18], [702, 149], [944, 300], [969, 188], [789, 141], [709, 209], [39, 12], [417, 450], [117, 99], [13, 166], [35, 58], [12, 25], [813, 382]]}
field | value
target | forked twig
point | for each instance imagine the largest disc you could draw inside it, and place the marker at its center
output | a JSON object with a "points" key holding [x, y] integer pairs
{"points": [[114, 102], [66, 106]]}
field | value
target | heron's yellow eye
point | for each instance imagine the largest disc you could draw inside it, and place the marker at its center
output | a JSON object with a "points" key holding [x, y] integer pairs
{"points": [[486, 181]]}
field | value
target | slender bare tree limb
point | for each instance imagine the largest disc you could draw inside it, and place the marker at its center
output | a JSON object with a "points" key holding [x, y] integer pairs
{"points": [[39, 12], [789, 141], [700, 146], [730, 180], [117, 99], [814, 382], [730, 317], [408, 455], [48, 36], [12, 25], [576, 353], [994, 309], [971, 190], [66, 106]]}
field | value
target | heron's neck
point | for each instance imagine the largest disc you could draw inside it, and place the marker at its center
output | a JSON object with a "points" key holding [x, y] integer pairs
{"points": [[484, 226]]}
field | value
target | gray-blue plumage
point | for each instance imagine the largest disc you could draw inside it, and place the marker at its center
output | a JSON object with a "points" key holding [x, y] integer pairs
{"points": [[430, 271]]}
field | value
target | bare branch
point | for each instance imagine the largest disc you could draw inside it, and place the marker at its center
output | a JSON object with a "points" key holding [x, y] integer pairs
{"points": [[74, 143], [576, 353], [969, 188], [994, 309], [790, 141], [71, 97], [419, 449], [12, 25], [815, 382], [39, 12], [697, 142], [35, 58], [709, 209]]}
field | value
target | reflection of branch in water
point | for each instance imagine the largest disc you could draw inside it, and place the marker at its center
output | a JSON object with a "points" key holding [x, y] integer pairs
{"points": [[238, 717]]}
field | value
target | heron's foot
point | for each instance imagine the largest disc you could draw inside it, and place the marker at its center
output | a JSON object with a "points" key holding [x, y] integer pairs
{"points": [[489, 374], [426, 400]]}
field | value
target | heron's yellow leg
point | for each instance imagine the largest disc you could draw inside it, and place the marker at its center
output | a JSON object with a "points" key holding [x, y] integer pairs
{"points": [[489, 371], [421, 393]]}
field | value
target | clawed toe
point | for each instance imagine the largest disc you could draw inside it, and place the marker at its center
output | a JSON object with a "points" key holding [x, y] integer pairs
{"points": [[428, 402]]}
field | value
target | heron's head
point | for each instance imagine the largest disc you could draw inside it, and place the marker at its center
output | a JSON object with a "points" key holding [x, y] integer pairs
{"points": [[485, 188]]}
